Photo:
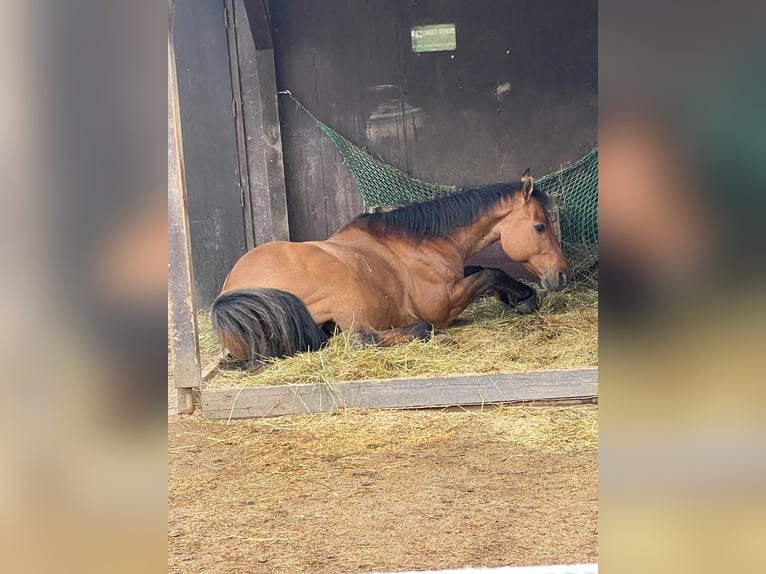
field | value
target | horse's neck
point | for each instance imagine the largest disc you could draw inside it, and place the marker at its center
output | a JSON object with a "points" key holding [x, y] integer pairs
{"points": [[479, 234]]}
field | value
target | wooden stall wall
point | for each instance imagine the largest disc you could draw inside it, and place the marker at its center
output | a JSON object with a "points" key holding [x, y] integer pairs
{"points": [[214, 204], [520, 90], [232, 142]]}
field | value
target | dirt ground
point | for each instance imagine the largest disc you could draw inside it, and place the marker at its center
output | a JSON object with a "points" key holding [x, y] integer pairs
{"points": [[383, 491]]}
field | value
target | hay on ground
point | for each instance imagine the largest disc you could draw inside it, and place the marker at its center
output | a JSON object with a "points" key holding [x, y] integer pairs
{"points": [[489, 338], [349, 434]]}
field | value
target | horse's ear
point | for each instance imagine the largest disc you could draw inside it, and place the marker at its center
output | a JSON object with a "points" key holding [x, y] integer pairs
{"points": [[527, 184]]}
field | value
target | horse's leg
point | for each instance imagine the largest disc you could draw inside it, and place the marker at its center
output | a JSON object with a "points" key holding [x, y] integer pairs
{"points": [[385, 338], [513, 293]]}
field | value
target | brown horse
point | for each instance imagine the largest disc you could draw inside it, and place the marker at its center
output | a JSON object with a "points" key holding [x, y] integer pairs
{"points": [[390, 276]]}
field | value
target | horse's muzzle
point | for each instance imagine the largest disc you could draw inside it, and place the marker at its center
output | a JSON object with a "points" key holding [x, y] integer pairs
{"points": [[555, 283]]}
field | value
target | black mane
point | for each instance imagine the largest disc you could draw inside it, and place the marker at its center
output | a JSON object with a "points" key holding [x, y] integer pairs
{"points": [[440, 217]]}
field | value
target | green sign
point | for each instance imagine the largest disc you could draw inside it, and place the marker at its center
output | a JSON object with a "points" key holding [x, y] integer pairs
{"points": [[433, 38]]}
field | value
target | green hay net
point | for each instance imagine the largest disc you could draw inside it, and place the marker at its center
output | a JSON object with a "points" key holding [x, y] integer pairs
{"points": [[574, 188]]}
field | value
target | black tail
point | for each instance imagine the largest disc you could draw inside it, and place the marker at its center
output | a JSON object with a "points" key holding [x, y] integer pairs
{"points": [[262, 323]]}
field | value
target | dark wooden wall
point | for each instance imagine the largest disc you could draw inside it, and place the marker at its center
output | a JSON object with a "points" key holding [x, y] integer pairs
{"points": [[232, 145], [214, 205], [519, 91]]}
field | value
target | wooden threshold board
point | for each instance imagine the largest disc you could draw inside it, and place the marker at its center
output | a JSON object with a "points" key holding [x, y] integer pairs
{"points": [[465, 390]]}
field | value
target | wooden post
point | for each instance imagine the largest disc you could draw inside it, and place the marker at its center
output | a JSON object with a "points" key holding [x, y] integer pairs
{"points": [[183, 318], [255, 88], [239, 121]]}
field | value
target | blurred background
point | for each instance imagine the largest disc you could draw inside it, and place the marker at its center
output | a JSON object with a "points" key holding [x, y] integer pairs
{"points": [[682, 130], [83, 236], [682, 176]]}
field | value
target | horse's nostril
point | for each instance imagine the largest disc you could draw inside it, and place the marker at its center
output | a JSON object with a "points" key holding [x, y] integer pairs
{"points": [[562, 278]]}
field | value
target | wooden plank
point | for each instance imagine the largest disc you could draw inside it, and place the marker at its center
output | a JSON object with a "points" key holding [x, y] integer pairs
{"points": [[349, 85], [243, 171], [266, 199], [301, 140], [359, 95], [259, 23], [271, 140], [216, 215], [566, 402], [183, 323], [247, 402]]}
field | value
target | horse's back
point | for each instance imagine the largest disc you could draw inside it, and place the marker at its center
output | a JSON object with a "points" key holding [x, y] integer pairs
{"points": [[279, 265], [343, 279]]}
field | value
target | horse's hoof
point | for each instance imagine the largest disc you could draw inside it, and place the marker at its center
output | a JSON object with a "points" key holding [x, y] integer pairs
{"points": [[528, 305], [444, 339], [369, 338]]}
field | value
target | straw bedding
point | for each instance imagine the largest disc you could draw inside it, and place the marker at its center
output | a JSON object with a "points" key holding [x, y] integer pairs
{"points": [[488, 338]]}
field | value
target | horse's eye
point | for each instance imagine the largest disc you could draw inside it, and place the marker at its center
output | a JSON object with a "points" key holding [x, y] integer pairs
{"points": [[540, 227]]}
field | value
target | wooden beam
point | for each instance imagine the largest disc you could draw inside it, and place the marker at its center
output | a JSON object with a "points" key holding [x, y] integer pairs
{"points": [[242, 164], [468, 390], [256, 90], [210, 155], [258, 18], [183, 317]]}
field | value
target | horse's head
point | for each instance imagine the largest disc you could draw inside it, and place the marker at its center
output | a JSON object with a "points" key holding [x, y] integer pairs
{"points": [[527, 236]]}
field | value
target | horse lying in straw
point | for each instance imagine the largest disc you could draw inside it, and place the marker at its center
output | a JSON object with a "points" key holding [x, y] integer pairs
{"points": [[388, 277]]}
